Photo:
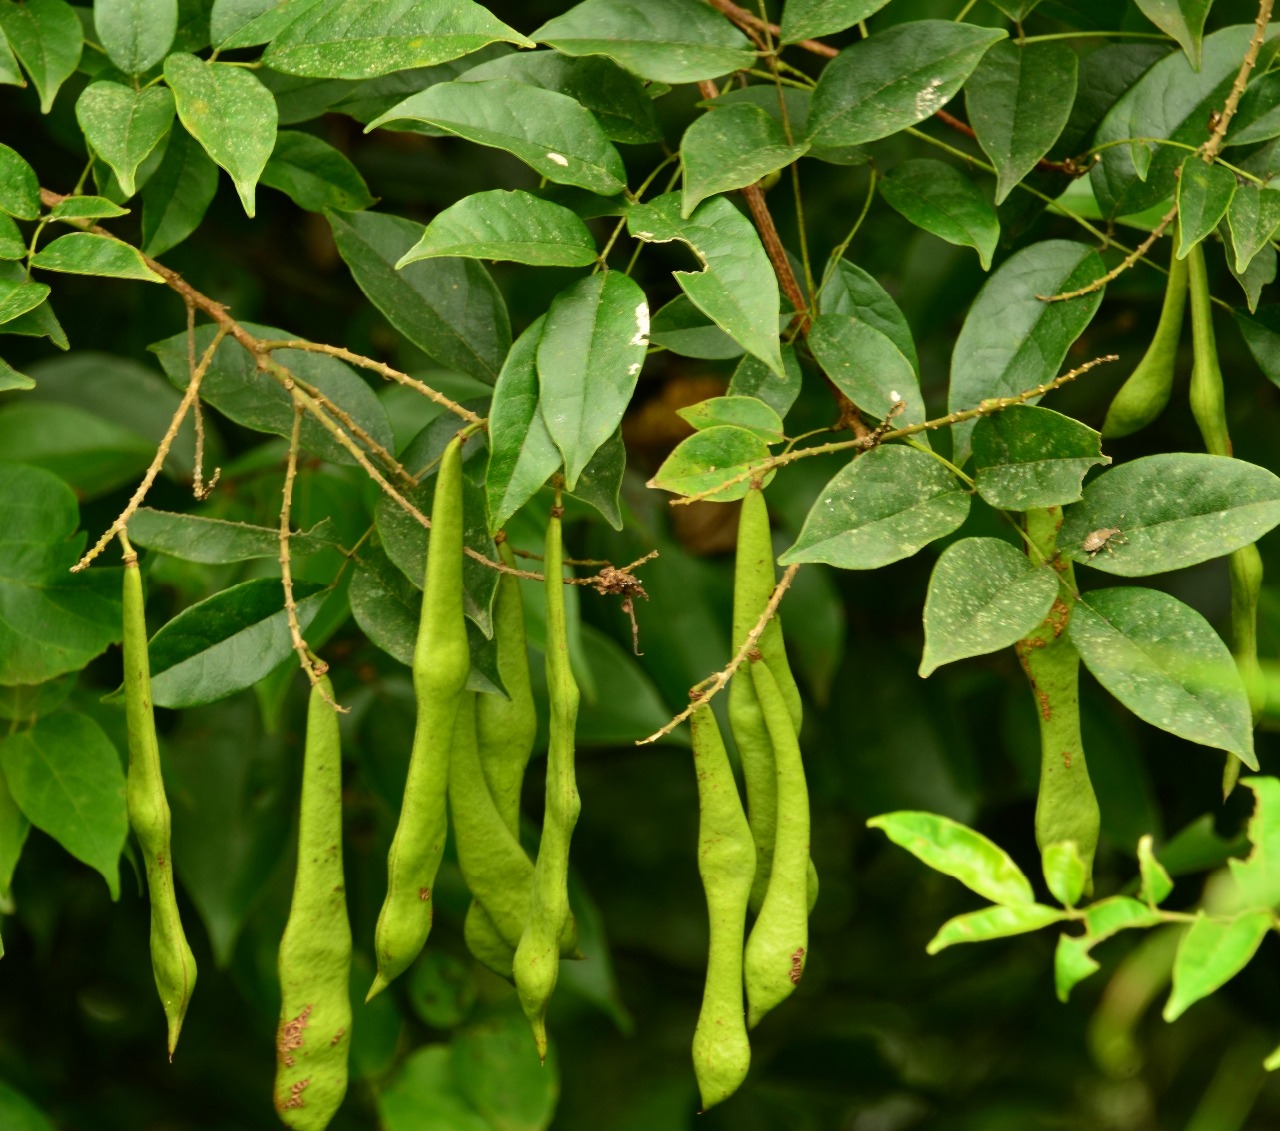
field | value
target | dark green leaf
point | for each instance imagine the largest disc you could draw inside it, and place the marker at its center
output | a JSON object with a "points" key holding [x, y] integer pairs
{"points": [[940, 199], [314, 175], [136, 34], [1253, 216], [1204, 194], [682, 328], [496, 1068], [13, 835], [752, 378], [993, 923], [215, 541], [47, 37], [809, 19], [1257, 118], [848, 289], [867, 366], [124, 125], [1181, 19], [744, 412], [600, 483], [177, 195], [92, 455], [708, 458], [1260, 271], [1029, 457], [1213, 952], [731, 148], [83, 253], [19, 186]]}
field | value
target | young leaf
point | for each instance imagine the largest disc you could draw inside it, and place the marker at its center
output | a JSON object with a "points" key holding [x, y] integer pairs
{"points": [[744, 412], [66, 777], [1027, 457], [515, 226], [993, 923], [1204, 195], [1172, 510], [894, 79], [136, 34], [1064, 872], [1181, 19], [1019, 100], [809, 19], [1213, 952], [708, 458], [867, 366], [753, 378], [589, 357], [1164, 662], [1012, 340], [883, 507], [314, 175], [19, 186], [123, 125], [353, 39], [215, 541], [1109, 917], [955, 850], [1253, 216], [983, 596], [86, 208], [46, 35], [737, 288], [83, 253], [1258, 876], [229, 112], [731, 148], [177, 195], [1072, 964], [848, 289], [940, 199], [669, 41], [550, 132], [448, 308], [1156, 884]]}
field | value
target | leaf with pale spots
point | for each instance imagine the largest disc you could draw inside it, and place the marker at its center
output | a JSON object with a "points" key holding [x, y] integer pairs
{"points": [[1027, 457], [711, 457]]}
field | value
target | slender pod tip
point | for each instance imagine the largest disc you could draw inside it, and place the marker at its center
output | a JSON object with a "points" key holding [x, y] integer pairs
{"points": [[379, 984]]}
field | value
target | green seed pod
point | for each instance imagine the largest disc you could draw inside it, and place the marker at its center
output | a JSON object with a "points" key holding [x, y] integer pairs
{"points": [[441, 664], [172, 962], [537, 957], [1146, 392], [727, 864], [775, 952], [1207, 396], [485, 942], [314, 1037]]}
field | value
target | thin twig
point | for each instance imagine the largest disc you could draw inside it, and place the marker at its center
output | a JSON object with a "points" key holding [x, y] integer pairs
{"points": [[1128, 261], [1219, 133], [199, 488]]}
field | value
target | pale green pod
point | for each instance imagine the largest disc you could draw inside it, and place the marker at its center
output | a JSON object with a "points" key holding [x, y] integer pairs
{"points": [[314, 1037]]}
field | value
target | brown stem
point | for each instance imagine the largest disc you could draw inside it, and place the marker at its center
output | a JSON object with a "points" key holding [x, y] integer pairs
{"points": [[1223, 120]]}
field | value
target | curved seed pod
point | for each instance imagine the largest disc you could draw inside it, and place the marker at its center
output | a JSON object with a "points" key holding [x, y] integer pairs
{"points": [[314, 1037], [172, 962], [441, 664], [727, 864], [775, 952], [486, 944], [1146, 392], [538, 955]]}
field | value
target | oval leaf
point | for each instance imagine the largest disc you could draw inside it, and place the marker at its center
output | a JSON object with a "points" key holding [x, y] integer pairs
{"points": [[1204, 195], [708, 458], [1211, 953], [83, 253], [47, 36], [122, 125], [745, 412], [731, 148], [867, 366], [993, 923], [940, 199], [136, 34], [1028, 457]]}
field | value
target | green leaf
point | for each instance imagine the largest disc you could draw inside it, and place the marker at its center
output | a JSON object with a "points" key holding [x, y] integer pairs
{"points": [[248, 23], [66, 777], [867, 366], [744, 412], [1204, 195], [983, 596], [12, 245], [46, 35], [809, 19], [550, 132], [352, 39], [136, 34], [589, 358], [86, 208], [314, 175], [731, 148], [883, 507], [1261, 333], [1258, 876], [496, 1068], [683, 329], [215, 541], [1064, 872], [940, 199], [1260, 272], [1211, 953], [1257, 117], [1028, 457], [83, 253], [737, 288], [1019, 100], [423, 1092], [1183, 20], [600, 483], [385, 603], [993, 923], [515, 226], [671, 41], [10, 74], [40, 322], [1156, 884], [1013, 340], [708, 458], [894, 79], [19, 1113], [1172, 510], [11, 379], [13, 835], [848, 289], [752, 378], [124, 125], [92, 455], [51, 621], [177, 195], [955, 850], [448, 308], [1072, 964], [226, 642], [229, 112], [1108, 917], [1164, 662], [19, 186], [1253, 216], [18, 298]]}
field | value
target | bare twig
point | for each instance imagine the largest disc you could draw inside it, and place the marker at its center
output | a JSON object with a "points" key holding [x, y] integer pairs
{"points": [[1223, 119], [1128, 261]]}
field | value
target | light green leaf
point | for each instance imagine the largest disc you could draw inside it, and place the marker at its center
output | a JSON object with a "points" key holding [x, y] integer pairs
{"points": [[744, 412], [66, 777], [11, 379], [1028, 457], [12, 245], [850, 290], [1013, 340], [19, 186], [993, 923], [940, 199], [38, 323], [247, 23], [671, 41], [1211, 953], [515, 226], [1072, 964], [867, 366], [495, 1067], [883, 507], [124, 125], [83, 253], [215, 541], [1258, 876], [1172, 511], [1019, 100], [1253, 216], [753, 378], [1164, 662], [86, 208], [731, 148], [1181, 19], [809, 19], [737, 288], [46, 35], [177, 195], [10, 73], [708, 458], [136, 34], [1064, 872], [1156, 884], [1204, 195], [17, 298], [550, 132], [983, 596], [894, 79], [353, 39], [958, 851], [314, 175], [229, 112], [589, 358]]}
